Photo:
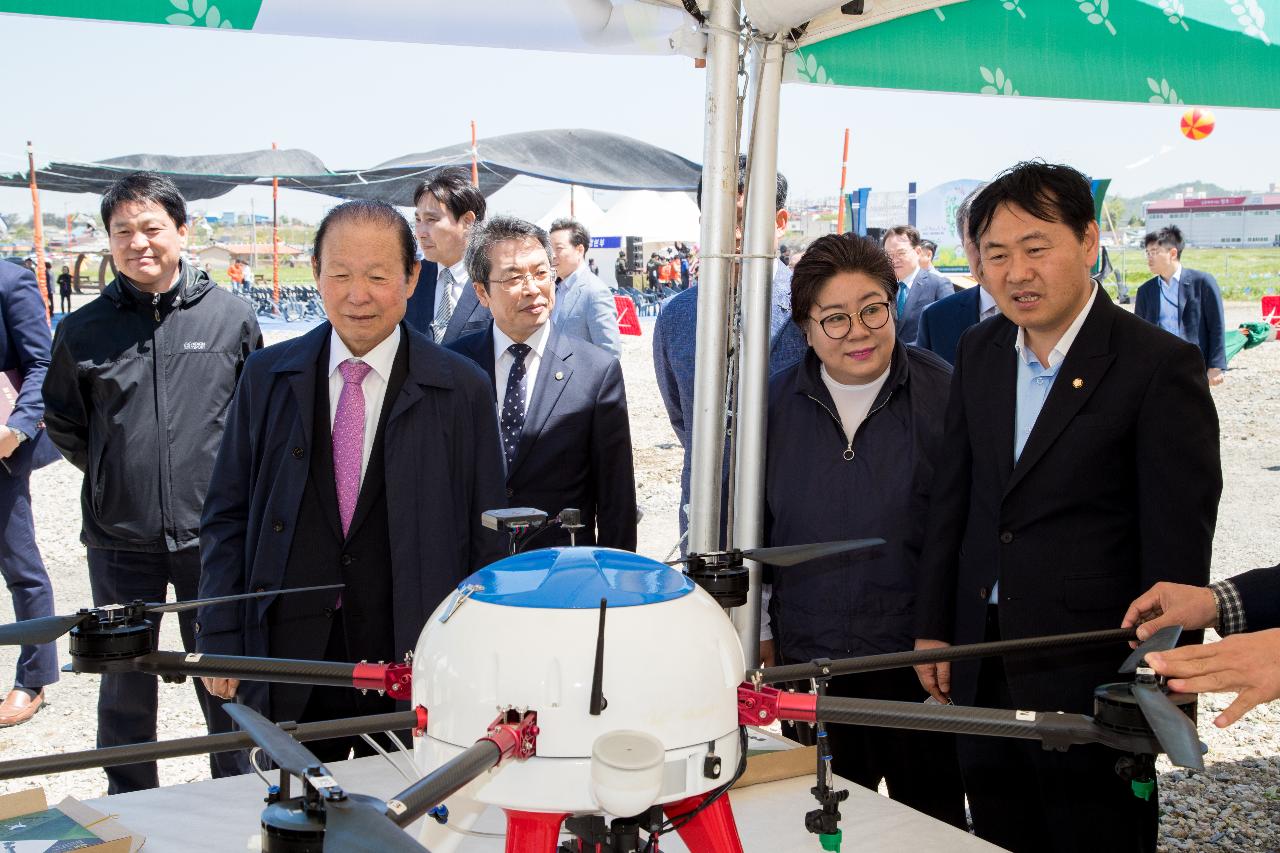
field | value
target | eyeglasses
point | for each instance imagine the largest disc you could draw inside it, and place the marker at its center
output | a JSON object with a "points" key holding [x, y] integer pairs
{"points": [[537, 277], [837, 326], [902, 254]]}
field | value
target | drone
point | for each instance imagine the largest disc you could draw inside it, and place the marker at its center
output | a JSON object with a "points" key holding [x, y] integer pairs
{"points": [[590, 691]]}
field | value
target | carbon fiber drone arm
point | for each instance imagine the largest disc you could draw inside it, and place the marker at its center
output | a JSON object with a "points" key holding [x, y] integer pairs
{"points": [[393, 678], [761, 706]]}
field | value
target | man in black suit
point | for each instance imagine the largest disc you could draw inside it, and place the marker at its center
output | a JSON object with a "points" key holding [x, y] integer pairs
{"points": [[24, 356], [917, 288], [1245, 610], [443, 305], [562, 408], [1063, 495], [1182, 301], [943, 322]]}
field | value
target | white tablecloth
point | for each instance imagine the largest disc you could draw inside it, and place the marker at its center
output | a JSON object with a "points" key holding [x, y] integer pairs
{"points": [[222, 815]]}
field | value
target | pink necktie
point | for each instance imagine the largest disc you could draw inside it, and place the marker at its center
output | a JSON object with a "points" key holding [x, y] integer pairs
{"points": [[348, 439]]}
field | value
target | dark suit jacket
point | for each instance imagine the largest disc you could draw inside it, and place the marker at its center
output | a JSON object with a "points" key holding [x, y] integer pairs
{"points": [[443, 468], [943, 322], [1117, 488], [1260, 594], [928, 288], [24, 347], [1202, 313], [468, 315], [575, 449]]}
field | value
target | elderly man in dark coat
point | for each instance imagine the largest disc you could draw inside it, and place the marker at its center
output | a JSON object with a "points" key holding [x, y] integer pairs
{"points": [[360, 453]]}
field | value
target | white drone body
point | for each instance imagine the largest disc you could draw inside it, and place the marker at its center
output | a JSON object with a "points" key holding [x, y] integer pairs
{"points": [[522, 635]]}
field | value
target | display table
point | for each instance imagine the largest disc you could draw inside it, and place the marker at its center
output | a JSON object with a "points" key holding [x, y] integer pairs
{"points": [[222, 815]]}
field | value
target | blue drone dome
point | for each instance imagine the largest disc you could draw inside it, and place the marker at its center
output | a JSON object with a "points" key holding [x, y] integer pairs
{"points": [[576, 579]]}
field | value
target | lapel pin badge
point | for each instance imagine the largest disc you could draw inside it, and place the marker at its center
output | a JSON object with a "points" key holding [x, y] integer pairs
{"points": [[559, 374], [1077, 383]]}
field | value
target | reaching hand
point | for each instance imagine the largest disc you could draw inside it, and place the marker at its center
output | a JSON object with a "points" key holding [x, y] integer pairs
{"points": [[223, 688], [935, 677], [1245, 664], [1192, 607]]}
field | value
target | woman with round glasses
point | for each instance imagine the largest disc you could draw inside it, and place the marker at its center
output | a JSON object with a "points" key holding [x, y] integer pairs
{"points": [[852, 430]]}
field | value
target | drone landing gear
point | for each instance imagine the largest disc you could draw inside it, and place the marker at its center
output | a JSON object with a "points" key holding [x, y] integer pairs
{"points": [[533, 832], [711, 830]]}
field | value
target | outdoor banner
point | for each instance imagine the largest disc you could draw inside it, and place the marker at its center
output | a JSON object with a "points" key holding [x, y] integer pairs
{"points": [[561, 25], [1204, 52]]}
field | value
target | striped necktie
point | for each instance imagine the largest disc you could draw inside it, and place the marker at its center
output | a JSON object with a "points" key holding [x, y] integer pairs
{"points": [[444, 311]]}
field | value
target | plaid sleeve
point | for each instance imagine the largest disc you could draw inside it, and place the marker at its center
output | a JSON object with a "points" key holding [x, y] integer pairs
{"points": [[1230, 608]]}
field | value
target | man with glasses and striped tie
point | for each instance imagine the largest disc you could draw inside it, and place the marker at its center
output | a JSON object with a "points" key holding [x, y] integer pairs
{"points": [[444, 306]]}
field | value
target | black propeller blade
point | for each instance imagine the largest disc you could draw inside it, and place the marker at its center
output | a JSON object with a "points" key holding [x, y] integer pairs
{"points": [[279, 745], [790, 555], [1161, 641], [34, 632], [1174, 729], [360, 826], [46, 629], [351, 823]]}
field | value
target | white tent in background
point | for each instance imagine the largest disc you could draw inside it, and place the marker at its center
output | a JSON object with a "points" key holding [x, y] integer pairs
{"points": [[585, 210], [656, 217]]}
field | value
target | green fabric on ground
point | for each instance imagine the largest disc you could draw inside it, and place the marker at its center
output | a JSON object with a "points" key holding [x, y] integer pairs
{"points": [[1249, 335]]}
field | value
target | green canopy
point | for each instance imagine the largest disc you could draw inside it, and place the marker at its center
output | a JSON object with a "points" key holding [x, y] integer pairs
{"points": [[1201, 52]]}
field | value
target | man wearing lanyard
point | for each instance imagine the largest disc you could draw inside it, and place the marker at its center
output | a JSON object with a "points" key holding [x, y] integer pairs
{"points": [[1182, 301]]}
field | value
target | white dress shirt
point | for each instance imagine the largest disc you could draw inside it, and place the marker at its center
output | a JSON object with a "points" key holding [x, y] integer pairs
{"points": [[374, 386], [987, 306], [502, 361]]}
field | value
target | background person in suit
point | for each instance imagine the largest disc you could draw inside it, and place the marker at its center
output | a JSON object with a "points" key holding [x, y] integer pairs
{"points": [[1247, 664], [1051, 509], [562, 406], [584, 306], [24, 350], [943, 322], [675, 336], [917, 288], [443, 306], [359, 453], [1182, 301]]}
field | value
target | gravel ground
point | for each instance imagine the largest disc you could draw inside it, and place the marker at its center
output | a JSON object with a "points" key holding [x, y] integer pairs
{"points": [[1234, 805]]}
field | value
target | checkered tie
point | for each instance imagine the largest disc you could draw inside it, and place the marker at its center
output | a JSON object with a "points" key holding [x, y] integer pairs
{"points": [[444, 311], [348, 439], [513, 403]]}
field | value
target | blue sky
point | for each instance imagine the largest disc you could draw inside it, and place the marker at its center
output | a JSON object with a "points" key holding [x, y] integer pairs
{"points": [[88, 91]]}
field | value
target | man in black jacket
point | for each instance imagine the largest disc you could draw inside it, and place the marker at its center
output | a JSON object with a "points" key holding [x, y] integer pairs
{"points": [[1061, 495], [136, 397]]}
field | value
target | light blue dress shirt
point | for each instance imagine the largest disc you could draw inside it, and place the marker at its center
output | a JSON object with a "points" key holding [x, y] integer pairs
{"points": [[1171, 303], [1035, 381]]}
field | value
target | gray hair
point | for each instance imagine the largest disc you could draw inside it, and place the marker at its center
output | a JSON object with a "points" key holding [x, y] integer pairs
{"points": [[489, 233]]}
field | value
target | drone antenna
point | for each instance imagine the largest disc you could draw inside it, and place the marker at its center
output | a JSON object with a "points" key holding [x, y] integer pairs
{"points": [[598, 702]]}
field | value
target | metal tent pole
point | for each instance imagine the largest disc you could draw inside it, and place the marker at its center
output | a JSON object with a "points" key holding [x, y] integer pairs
{"points": [[719, 191], [760, 251]]}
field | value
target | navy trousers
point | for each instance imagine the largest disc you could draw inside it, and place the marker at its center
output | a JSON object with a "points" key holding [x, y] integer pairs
{"points": [[28, 582], [127, 701]]}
